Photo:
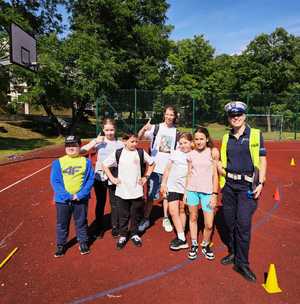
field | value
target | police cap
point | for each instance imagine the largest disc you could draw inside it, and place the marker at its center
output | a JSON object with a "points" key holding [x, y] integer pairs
{"points": [[235, 107]]}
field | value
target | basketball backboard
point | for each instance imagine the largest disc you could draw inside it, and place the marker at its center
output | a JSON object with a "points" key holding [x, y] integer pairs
{"points": [[22, 48]]}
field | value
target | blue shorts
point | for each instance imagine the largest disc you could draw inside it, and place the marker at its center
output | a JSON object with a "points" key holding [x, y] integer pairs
{"points": [[194, 198], [154, 183]]}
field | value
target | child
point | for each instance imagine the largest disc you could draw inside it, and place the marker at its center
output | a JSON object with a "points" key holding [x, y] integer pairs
{"points": [[129, 189], [173, 186], [105, 145], [163, 139], [202, 186], [72, 177]]}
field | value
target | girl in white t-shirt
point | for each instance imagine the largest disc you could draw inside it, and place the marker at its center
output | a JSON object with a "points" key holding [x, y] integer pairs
{"points": [[105, 145], [163, 140], [173, 187]]}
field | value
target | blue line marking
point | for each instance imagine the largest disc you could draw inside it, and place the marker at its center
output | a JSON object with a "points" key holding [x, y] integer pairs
{"points": [[162, 273]]}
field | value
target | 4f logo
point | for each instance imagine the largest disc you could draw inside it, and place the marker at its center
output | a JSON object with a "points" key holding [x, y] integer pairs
{"points": [[72, 170]]}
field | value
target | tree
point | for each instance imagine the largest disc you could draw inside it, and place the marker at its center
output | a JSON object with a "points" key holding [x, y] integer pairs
{"points": [[220, 84], [267, 70], [190, 62], [134, 31], [36, 17]]}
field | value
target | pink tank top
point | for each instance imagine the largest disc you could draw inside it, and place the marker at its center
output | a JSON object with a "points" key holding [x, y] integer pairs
{"points": [[201, 177]]}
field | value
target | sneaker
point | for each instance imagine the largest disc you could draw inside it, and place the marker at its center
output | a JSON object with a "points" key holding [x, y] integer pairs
{"points": [[60, 251], [115, 232], [98, 233], [121, 242], [144, 224], [167, 225], [193, 253], [84, 248], [178, 244], [207, 252], [136, 240]]}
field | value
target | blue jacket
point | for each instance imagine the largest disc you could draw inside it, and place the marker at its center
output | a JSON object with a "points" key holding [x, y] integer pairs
{"points": [[61, 195]]}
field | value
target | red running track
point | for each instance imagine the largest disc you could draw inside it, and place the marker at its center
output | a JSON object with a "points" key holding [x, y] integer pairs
{"points": [[151, 273]]}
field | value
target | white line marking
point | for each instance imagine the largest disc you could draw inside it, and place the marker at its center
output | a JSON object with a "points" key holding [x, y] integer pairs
{"points": [[2, 242], [24, 178]]}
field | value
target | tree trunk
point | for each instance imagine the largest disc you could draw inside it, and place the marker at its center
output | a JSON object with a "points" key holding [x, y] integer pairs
{"points": [[77, 115], [60, 129]]}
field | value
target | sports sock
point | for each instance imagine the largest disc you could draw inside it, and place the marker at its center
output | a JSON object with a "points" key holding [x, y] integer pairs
{"points": [[181, 236], [204, 243], [194, 243]]}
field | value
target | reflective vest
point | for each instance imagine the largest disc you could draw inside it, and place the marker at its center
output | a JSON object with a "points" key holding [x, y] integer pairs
{"points": [[73, 171], [254, 146]]}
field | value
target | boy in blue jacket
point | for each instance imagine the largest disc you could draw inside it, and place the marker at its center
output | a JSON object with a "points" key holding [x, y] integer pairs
{"points": [[72, 177]]}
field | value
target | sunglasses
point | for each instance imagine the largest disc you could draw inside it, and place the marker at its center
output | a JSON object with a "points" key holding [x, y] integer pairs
{"points": [[232, 115], [71, 145]]}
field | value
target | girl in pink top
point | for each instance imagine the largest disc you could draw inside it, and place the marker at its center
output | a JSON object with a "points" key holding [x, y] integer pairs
{"points": [[202, 187]]}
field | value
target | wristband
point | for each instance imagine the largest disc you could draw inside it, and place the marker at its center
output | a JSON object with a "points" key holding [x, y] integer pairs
{"points": [[216, 193]]}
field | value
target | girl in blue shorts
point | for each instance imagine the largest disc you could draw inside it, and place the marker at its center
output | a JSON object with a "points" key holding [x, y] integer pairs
{"points": [[202, 187]]}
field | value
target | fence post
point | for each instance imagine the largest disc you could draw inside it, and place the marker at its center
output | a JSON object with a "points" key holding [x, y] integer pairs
{"points": [[281, 127], [247, 101], [97, 116], [193, 122], [135, 104]]}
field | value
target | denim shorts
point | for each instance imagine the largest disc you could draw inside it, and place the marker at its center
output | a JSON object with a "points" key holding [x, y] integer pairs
{"points": [[194, 198], [154, 183]]}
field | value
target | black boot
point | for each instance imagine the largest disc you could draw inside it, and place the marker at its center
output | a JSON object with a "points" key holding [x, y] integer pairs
{"points": [[228, 259], [246, 272]]}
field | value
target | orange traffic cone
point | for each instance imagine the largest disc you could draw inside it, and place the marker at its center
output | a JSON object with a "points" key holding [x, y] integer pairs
{"points": [[276, 195], [271, 285], [293, 163]]}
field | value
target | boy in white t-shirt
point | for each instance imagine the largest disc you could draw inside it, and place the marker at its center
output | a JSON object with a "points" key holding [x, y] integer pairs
{"points": [[163, 139], [129, 189]]}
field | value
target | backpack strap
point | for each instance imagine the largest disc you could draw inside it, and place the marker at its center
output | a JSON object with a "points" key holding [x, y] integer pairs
{"points": [[156, 129], [142, 162], [178, 133], [114, 170], [118, 155]]}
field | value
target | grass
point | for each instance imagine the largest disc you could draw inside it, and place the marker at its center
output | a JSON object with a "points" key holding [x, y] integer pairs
{"points": [[19, 137], [217, 131], [16, 139]]}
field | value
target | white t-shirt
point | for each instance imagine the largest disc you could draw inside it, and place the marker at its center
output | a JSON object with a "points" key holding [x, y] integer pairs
{"points": [[163, 145], [129, 173], [178, 173], [104, 149]]}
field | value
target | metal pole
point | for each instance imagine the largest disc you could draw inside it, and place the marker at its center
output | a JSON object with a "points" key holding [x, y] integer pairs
{"points": [[97, 116], [281, 126], [135, 102], [295, 127], [193, 123]]}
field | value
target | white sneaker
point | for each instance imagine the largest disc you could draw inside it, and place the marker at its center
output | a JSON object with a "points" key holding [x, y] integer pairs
{"points": [[167, 225], [144, 224]]}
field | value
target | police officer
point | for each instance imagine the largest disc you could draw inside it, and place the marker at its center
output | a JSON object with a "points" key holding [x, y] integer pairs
{"points": [[243, 172]]}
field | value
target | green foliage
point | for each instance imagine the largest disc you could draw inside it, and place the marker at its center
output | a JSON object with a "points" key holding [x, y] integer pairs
{"points": [[116, 44], [133, 31]]}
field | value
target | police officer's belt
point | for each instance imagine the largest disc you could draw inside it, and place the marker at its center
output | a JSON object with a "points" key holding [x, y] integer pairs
{"points": [[240, 177]]}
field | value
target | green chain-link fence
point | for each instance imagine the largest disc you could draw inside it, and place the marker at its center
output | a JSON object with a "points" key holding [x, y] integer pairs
{"points": [[133, 108]]}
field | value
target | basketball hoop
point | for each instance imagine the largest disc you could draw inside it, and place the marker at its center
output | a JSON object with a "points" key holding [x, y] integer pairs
{"points": [[22, 48]]}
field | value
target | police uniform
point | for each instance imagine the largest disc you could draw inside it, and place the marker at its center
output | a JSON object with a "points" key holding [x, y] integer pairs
{"points": [[240, 159], [70, 176]]}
